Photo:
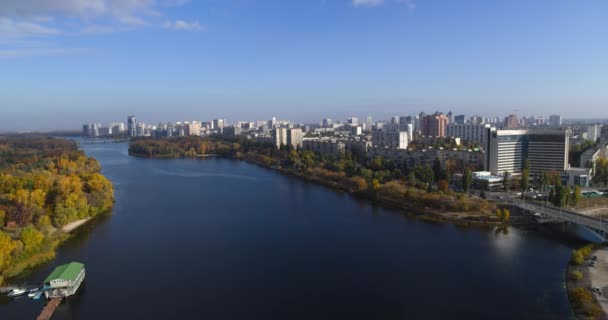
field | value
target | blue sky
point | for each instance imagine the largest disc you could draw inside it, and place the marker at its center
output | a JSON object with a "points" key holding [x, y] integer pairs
{"points": [[65, 62]]}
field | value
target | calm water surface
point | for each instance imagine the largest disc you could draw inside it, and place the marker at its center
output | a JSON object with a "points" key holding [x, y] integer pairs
{"points": [[222, 239]]}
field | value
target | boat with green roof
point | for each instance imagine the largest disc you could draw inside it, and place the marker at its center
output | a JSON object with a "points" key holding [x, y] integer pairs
{"points": [[64, 281]]}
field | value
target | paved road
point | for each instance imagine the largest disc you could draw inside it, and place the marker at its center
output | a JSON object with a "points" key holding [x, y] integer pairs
{"points": [[598, 224]]}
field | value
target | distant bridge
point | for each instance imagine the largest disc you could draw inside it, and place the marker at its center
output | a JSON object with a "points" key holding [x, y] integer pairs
{"points": [[597, 226], [101, 141]]}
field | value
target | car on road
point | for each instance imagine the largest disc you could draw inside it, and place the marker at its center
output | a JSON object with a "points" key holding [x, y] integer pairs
{"points": [[592, 263], [597, 290], [594, 258]]}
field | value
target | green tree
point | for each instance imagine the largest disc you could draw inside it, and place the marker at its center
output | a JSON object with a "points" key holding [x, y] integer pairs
{"points": [[467, 179], [506, 181], [567, 195], [437, 168], [2, 217], [411, 179], [525, 177], [577, 195], [543, 180]]}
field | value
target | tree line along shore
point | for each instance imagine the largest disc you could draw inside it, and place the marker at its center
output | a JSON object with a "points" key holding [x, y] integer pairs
{"points": [[45, 184], [425, 191]]}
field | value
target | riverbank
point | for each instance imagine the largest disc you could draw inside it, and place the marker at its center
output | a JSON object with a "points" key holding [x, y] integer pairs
{"points": [[56, 238], [381, 182], [73, 225], [48, 188], [581, 278]]}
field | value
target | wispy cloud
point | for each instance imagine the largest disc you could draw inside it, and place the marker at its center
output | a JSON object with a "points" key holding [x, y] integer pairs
{"points": [[367, 3], [26, 20], [184, 25], [12, 28], [375, 3], [39, 52]]}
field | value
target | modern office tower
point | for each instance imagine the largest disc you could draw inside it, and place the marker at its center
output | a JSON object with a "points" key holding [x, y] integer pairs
{"points": [[511, 122], [475, 120], [369, 123], [468, 132], [419, 119], [95, 129], [132, 126], [555, 120], [280, 137], [352, 121], [395, 120], [460, 119], [546, 150], [434, 125], [594, 132], [327, 122], [410, 132], [389, 139], [294, 138], [450, 116], [218, 124], [85, 130], [272, 122]]}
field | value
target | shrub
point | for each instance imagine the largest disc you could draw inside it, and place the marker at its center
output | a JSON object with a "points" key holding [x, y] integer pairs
{"points": [[577, 258], [576, 275]]}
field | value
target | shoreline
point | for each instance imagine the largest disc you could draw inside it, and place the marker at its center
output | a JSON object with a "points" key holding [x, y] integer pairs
{"points": [[60, 236], [463, 219], [75, 224]]}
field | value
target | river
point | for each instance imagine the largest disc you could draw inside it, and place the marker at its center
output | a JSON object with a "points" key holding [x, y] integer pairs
{"points": [[223, 239]]}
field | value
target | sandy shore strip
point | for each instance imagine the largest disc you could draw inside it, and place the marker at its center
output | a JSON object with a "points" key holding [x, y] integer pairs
{"points": [[73, 225], [599, 276]]}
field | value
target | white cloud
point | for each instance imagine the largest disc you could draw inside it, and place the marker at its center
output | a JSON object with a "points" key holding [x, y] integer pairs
{"points": [[184, 25], [113, 13], [367, 3], [13, 28]]}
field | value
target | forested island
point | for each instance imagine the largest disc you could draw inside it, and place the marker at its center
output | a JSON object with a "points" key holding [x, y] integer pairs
{"points": [[45, 184], [422, 191]]}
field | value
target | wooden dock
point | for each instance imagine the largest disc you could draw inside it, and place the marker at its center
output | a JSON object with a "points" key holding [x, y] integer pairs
{"points": [[49, 309]]}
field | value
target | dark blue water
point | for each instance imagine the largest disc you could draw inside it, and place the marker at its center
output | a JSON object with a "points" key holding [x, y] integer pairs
{"points": [[223, 239]]}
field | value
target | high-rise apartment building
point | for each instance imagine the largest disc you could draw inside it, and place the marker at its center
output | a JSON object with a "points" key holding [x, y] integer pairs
{"points": [[555, 120], [511, 122], [294, 138], [280, 137], [132, 126], [468, 132], [435, 125], [594, 132], [389, 139]]}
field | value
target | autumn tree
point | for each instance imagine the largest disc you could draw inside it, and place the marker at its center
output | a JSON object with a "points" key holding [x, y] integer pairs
{"points": [[31, 238]]}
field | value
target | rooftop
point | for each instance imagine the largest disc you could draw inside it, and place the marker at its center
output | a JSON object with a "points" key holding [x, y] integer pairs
{"points": [[68, 272]]}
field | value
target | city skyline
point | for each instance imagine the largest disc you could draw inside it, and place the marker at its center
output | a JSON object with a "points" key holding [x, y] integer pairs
{"points": [[70, 62]]}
